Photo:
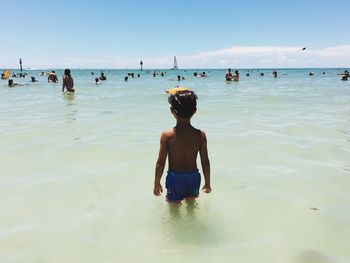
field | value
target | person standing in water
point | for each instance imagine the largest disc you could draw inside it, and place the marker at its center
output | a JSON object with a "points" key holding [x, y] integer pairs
{"points": [[229, 75], [68, 82], [181, 146], [236, 75], [52, 77]]}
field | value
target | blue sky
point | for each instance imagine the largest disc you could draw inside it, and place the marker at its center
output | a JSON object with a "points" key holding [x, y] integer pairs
{"points": [[118, 34]]}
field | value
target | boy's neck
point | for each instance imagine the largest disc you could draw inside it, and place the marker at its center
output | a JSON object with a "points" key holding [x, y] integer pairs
{"points": [[181, 122]]}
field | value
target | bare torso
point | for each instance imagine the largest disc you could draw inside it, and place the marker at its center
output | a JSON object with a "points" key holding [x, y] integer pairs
{"points": [[68, 83], [183, 147], [228, 76]]}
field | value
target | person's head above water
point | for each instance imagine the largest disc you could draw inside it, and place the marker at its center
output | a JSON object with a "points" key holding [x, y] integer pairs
{"points": [[67, 72], [183, 103]]}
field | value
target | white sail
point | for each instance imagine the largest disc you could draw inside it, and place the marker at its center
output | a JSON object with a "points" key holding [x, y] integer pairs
{"points": [[175, 64]]}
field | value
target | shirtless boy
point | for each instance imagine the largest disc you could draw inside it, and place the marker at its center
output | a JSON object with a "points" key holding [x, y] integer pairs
{"points": [[228, 75], [67, 82], [181, 145]]}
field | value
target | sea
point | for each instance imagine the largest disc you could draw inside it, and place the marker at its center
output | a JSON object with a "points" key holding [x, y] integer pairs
{"points": [[77, 170]]}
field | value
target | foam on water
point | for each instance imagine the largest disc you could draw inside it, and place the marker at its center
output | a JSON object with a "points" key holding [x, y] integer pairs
{"points": [[77, 170]]}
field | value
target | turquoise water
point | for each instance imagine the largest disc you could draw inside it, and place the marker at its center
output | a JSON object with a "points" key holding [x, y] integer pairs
{"points": [[77, 170]]}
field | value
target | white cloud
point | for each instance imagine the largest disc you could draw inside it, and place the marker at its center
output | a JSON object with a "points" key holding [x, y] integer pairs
{"points": [[236, 57], [271, 56]]}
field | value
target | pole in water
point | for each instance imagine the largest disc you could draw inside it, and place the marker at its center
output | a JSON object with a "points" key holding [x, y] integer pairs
{"points": [[141, 63], [20, 64]]}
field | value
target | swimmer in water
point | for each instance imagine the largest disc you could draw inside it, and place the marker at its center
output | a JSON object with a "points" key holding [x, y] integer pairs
{"points": [[52, 77], [236, 76], [12, 84], [103, 77], [228, 75], [67, 81], [345, 73]]}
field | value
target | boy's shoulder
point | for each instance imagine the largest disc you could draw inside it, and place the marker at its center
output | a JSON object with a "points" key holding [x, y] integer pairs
{"points": [[199, 131], [167, 134]]}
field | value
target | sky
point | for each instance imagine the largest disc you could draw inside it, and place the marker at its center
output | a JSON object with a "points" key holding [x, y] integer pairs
{"points": [[201, 34]]}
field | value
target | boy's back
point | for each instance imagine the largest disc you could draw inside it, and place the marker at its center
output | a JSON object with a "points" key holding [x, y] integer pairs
{"points": [[183, 146]]}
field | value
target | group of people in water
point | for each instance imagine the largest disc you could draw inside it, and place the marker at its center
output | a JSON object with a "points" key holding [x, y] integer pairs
{"points": [[67, 80], [345, 75], [229, 76], [99, 79], [68, 83]]}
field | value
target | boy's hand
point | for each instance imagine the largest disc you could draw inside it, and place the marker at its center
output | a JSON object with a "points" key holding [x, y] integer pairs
{"points": [[206, 189], [157, 189]]}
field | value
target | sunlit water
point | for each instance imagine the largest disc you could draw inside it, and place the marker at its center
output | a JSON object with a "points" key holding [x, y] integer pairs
{"points": [[77, 170]]}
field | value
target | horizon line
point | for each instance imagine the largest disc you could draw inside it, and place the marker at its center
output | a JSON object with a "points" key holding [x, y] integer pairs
{"points": [[238, 68]]}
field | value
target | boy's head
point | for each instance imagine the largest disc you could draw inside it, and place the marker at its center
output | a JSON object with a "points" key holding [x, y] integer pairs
{"points": [[67, 72], [183, 103]]}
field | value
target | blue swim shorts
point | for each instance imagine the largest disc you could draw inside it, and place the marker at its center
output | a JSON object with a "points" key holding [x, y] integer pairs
{"points": [[182, 185]]}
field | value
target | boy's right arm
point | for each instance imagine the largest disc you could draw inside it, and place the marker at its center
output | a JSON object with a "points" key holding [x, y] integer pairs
{"points": [[203, 151], [163, 152]]}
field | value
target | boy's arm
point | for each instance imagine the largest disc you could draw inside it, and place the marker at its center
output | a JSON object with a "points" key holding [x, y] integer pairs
{"points": [[63, 84], [203, 151], [163, 152]]}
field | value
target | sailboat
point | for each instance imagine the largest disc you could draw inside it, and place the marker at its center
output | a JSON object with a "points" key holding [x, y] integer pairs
{"points": [[175, 64]]}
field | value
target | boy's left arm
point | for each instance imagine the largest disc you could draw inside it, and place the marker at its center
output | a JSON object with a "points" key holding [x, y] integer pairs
{"points": [[163, 152], [63, 83], [203, 152]]}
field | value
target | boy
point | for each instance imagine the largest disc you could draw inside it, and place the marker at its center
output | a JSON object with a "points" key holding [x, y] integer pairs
{"points": [[67, 82], [182, 145], [228, 75]]}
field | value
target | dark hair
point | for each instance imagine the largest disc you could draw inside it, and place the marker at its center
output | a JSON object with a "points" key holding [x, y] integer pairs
{"points": [[67, 72], [184, 103]]}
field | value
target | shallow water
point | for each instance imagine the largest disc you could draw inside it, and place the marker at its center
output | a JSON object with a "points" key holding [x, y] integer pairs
{"points": [[77, 170]]}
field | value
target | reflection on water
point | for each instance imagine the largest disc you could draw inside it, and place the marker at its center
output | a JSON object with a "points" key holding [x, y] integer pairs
{"points": [[191, 206], [186, 224], [71, 111]]}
